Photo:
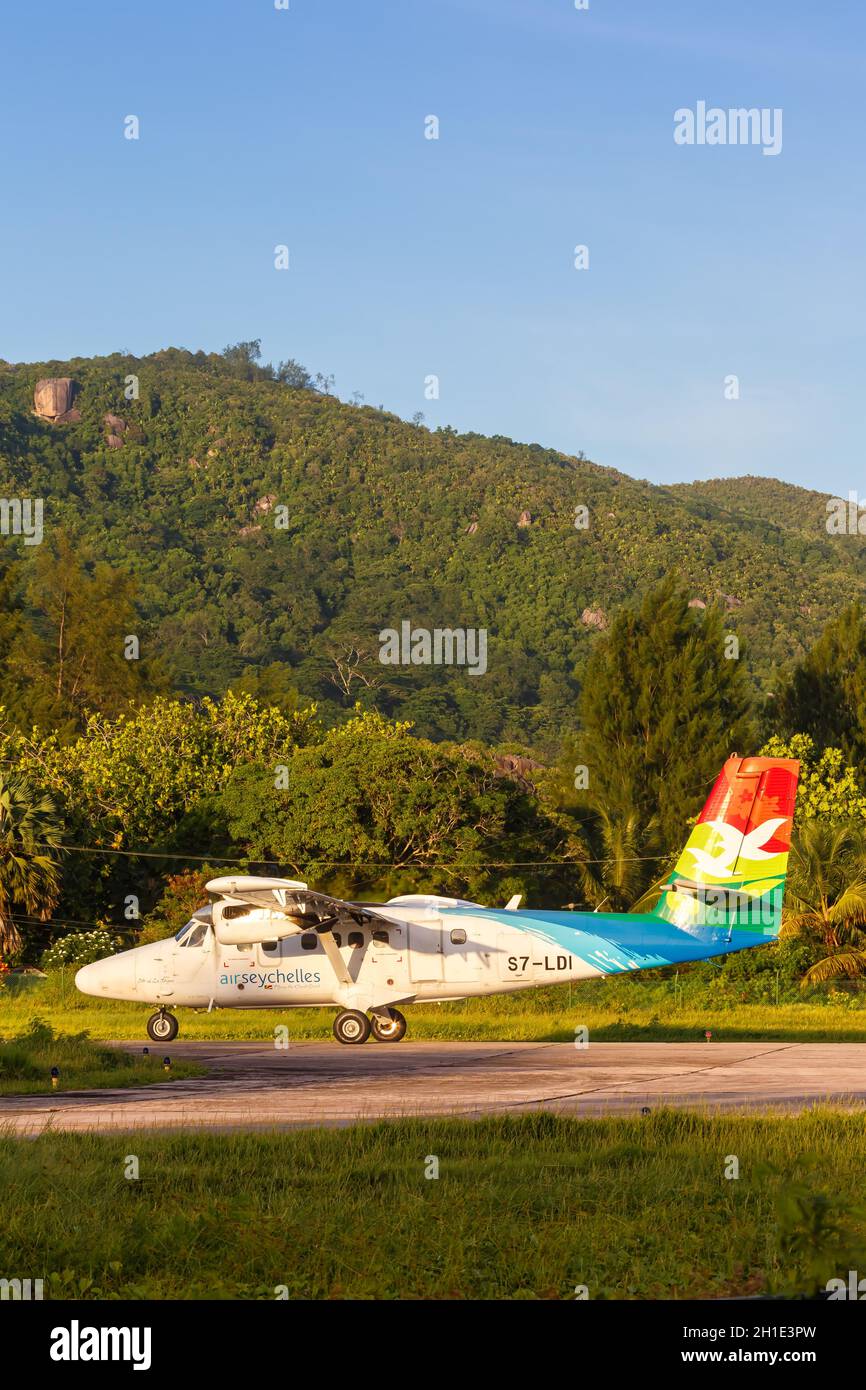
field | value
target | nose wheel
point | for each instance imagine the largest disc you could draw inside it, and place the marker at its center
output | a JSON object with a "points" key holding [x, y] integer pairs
{"points": [[162, 1027]]}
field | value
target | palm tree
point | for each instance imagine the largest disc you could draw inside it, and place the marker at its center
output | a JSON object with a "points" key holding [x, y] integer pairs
{"points": [[827, 896], [615, 860], [29, 874]]}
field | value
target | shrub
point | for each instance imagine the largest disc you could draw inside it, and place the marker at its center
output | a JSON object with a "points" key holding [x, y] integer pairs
{"points": [[79, 948]]}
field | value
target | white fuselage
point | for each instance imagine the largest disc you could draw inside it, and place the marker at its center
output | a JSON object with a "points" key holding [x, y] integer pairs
{"points": [[419, 953]]}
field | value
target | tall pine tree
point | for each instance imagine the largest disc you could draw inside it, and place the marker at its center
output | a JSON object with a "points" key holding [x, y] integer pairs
{"points": [[826, 694], [662, 707]]}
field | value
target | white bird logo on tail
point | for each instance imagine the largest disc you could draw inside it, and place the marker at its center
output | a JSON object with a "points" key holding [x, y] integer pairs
{"points": [[735, 844]]}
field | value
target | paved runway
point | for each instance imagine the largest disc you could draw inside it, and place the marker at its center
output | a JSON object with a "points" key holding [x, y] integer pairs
{"points": [[254, 1085]]}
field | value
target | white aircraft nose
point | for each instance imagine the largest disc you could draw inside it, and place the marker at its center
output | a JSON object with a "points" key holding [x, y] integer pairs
{"points": [[113, 977]]}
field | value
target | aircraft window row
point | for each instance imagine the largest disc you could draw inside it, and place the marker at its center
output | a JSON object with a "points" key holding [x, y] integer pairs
{"points": [[309, 941]]}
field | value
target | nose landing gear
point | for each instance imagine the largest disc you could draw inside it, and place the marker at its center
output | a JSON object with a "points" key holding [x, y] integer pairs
{"points": [[352, 1026], [162, 1027]]}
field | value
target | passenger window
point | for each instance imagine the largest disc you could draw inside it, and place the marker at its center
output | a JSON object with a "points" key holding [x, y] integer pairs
{"points": [[381, 936], [356, 938], [309, 941], [458, 937], [337, 937]]}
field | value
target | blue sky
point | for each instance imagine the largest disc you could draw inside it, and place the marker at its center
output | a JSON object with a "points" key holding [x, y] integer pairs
{"points": [[454, 257]]}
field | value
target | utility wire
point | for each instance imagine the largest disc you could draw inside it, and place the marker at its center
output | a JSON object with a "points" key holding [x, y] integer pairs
{"points": [[360, 863]]}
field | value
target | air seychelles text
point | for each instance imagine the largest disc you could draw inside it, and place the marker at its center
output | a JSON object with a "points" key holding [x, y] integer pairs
{"points": [[444, 646], [272, 977]]}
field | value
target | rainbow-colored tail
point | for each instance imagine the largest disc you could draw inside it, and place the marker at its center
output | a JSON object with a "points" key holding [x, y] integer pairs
{"points": [[732, 871]]}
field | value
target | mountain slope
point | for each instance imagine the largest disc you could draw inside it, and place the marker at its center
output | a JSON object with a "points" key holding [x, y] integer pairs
{"points": [[388, 522]]}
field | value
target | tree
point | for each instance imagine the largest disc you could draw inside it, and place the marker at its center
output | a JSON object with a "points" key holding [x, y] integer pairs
{"points": [[827, 896], [827, 786], [130, 779], [291, 373], [143, 781], [271, 686], [616, 859], [29, 876], [16, 693], [662, 708], [825, 696], [354, 665], [76, 651], [243, 358], [373, 808]]}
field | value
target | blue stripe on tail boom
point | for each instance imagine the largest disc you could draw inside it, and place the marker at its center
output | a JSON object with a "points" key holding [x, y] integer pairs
{"points": [[615, 942]]}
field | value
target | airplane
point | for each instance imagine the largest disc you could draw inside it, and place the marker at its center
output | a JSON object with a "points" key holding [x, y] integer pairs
{"points": [[265, 943]]}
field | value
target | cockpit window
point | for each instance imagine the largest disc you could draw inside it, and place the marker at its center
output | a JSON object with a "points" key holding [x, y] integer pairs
{"points": [[192, 933]]}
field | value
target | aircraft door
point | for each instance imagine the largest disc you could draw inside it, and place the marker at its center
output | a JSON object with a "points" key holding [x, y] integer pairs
{"points": [[462, 957], [425, 949], [233, 967], [388, 954], [193, 965], [180, 968]]}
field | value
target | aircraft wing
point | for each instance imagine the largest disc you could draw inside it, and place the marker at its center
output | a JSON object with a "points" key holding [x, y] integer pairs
{"points": [[315, 911], [304, 910]]}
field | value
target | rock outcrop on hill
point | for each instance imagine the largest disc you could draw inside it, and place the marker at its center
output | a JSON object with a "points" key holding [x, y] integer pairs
{"points": [[52, 399]]}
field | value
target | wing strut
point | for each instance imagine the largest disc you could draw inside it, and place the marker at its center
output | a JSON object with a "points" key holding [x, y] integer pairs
{"points": [[325, 930]]}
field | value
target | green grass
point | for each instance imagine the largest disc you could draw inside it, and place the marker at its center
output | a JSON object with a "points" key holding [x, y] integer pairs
{"points": [[523, 1207], [621, 1011], [27, 1058]]}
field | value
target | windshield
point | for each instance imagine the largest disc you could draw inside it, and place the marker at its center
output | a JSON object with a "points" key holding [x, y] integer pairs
{"points": [[193, 932]]}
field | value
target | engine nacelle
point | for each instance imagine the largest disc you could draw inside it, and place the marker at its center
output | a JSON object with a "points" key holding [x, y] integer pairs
{"points": [[238, 924], [249, 909]]}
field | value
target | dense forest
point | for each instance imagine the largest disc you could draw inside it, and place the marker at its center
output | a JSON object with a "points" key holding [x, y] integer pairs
{"points": [[253, 531]]}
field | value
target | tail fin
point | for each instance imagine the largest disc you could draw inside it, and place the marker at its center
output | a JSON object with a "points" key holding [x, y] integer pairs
{"points": [[731, 873]]}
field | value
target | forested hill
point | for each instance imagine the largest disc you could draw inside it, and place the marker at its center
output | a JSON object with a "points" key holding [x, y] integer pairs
{"points": [[386, 521]]}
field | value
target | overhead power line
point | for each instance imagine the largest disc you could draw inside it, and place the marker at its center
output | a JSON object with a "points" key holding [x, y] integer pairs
{"points": [[357, 863]]}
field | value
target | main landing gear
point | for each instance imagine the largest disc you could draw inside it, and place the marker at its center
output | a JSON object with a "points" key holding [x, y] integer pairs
{"points": [[162, 1027], [353, 1026]]}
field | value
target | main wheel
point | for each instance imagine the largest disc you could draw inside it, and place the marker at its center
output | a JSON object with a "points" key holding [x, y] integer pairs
{"points": [[351, 1026], [162, 1027], [388, 1027]]}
